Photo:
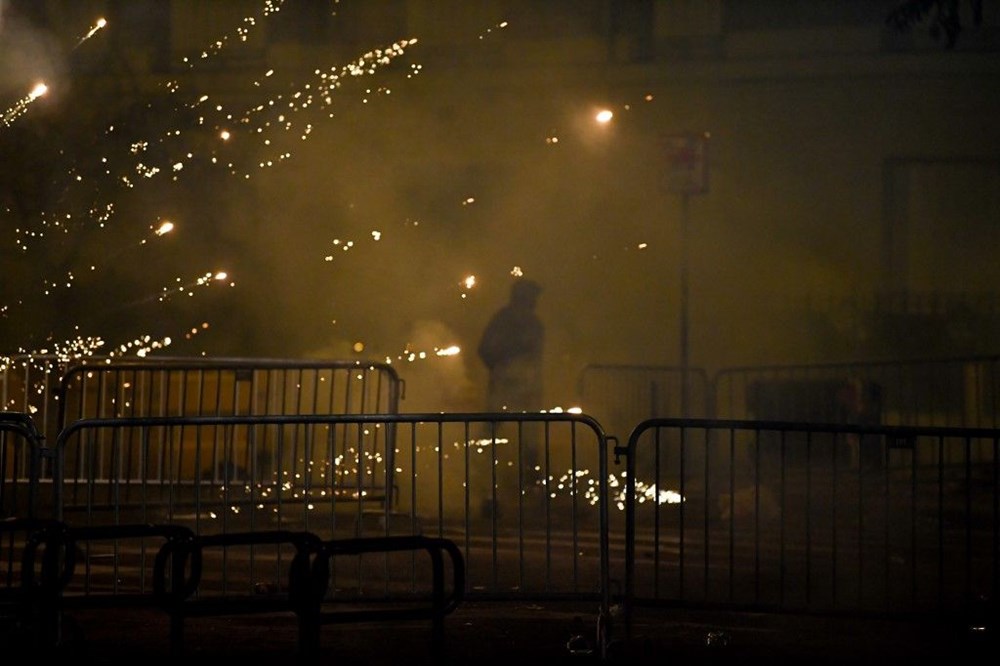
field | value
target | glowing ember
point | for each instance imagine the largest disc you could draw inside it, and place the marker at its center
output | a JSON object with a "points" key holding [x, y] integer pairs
{"points": [[93, 30], [21, 105]]}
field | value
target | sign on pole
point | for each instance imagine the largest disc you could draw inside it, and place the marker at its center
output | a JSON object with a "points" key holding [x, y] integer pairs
{"points": [[687, 163]]}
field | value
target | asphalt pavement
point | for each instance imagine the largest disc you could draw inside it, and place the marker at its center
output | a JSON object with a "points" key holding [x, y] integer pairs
{"points": [[517, 633]]}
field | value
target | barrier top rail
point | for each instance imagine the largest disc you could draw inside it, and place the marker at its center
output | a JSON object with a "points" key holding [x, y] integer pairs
{"points": [[170, 362], [834, 365], [183, 386], [293, 419], [19, 422], [800, 426], [56, 389]]}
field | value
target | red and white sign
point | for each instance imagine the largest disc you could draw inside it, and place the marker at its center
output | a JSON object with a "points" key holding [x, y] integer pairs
{"points": [[687, 163]]}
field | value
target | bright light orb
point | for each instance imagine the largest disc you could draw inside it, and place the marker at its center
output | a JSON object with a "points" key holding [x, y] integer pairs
{"points": [[604, 116]]}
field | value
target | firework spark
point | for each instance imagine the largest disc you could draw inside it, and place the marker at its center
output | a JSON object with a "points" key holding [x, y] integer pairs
{"points": [[98, 25], [20, 107], [235, 142]]}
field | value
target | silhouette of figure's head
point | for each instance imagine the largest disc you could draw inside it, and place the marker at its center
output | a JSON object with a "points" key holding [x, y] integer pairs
{"points": [[525, 292]]}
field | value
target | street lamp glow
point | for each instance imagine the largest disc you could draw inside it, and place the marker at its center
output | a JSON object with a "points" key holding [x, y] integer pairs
{"points": [[604, 116]]}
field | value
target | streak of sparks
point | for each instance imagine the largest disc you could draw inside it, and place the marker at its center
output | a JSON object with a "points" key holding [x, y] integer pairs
{"points": [[101, 23], [208, 278], [576, 482], [187, 288], [21, 106], [153, 159], [410, 355], [499, 26], [241, 34]]}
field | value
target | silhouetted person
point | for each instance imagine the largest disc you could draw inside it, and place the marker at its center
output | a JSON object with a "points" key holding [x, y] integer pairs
{"points": [[511, 348]]}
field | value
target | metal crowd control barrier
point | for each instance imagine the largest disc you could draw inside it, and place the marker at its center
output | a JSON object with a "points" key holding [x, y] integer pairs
{"points": [[779, 516], [22, 530], [20, 465], [525, 496], [293, 581], [306, 590], [28, 385], [30, 558], [64, 568], [112, 567], [359, 606], [960, 392], [752, 515], [222, 387], [619, 396], [56, 391], [225, 473]]}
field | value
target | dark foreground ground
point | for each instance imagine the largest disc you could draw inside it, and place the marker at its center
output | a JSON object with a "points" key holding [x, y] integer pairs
{"points": [[522, 634]]}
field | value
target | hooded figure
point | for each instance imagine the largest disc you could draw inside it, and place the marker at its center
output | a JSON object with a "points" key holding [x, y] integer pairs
{"points": [[511, 348]]}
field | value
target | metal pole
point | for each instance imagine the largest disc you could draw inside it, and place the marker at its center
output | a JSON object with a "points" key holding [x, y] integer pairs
{"points": [[685, 197]]}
